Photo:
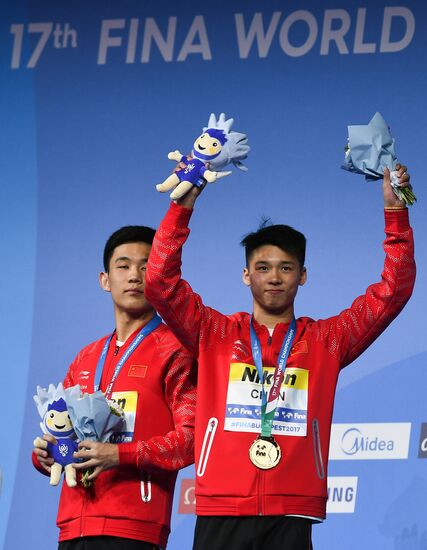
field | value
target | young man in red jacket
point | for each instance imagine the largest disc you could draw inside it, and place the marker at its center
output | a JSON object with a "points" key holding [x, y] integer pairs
{"points": [[128, 505], [266, 381]]}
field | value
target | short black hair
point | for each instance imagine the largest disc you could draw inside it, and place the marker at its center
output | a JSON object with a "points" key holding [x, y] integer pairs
{"points": [[284, 237], [124, 235]]}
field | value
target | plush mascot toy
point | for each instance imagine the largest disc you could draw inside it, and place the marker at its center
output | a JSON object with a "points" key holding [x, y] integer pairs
{"points": [[56, 421], [215, 148]]}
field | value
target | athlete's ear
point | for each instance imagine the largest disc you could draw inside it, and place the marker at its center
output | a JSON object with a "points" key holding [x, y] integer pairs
{"points": [[245, 277], [104, 281]]}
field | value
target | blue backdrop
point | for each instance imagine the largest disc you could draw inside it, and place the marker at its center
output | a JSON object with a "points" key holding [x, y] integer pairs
{"points": [[94, 95]]}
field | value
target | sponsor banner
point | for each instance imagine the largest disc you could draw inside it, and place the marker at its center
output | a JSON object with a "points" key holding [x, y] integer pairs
{"points": [[243, 410], [422, 451], [370, 441], [342, 492], [187, 497]]}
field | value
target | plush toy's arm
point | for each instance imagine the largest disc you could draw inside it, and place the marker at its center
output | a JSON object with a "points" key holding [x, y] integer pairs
{"points": [[176, 155], [40, 443], [213, 176]]}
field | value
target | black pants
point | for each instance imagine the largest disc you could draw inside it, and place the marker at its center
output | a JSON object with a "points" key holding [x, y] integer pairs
{"points": [[252, 533], [105, 543]]}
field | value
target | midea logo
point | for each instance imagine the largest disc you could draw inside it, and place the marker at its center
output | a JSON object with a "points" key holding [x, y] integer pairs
{"points": [[353, 441]]}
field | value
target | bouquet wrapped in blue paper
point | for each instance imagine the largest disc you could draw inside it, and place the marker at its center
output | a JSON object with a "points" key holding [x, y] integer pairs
{"points": [[95, 418], [70, 417], [370, 149]]}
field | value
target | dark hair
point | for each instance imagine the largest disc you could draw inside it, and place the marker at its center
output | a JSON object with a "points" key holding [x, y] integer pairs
{"points": [[124, 235], [284, 237]]}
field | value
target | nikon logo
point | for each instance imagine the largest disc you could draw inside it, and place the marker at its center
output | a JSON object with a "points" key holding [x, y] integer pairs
{"points": [[370, 441], [251, 375]]}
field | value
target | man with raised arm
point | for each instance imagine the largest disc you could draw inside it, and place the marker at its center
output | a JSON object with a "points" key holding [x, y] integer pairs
{"points": [[266, 381], [143, 367]]}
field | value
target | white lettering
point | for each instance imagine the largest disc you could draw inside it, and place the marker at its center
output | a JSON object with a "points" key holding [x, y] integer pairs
{"points": [[287, 47], [63, 37], [44, 29], [297, 34], [57, 36], [359, 45], [108, 41], [17, 31], [424, 445], [256, 30], [386, 45], [197, 28], [190, 495], [152, 32], [336, 35], [133, 35]]}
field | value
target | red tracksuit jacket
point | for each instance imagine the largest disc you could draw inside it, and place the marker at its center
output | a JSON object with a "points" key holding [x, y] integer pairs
{"points": [[228, 389], [134, 500]]}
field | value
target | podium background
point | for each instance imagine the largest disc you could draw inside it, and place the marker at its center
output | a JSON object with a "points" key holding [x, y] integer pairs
{"points": [[85, 130]]}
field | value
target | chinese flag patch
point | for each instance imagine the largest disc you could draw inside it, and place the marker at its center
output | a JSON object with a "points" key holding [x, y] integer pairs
{"points": [[300, 347], [138, 371]]}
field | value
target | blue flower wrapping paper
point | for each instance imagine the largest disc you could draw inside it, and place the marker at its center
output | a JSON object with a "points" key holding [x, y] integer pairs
{"points": [[92, 417], [370, 149]]}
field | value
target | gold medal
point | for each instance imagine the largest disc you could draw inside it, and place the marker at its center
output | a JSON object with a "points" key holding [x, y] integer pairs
{"points": [[265, 453]]}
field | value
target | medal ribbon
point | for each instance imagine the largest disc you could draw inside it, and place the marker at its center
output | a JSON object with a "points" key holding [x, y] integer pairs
{"points": [[269, 405], [145, 331]]}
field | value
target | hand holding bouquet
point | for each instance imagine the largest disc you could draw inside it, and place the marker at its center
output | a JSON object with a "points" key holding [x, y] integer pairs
{"points": [[94, 418], [370, 149]]}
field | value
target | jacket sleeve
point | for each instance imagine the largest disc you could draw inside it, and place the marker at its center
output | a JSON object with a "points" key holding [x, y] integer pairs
{"points": [[175, 449], [181, 308], [348, 334]]}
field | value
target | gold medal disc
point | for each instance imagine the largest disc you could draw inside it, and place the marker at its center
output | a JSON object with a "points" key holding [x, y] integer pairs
{"points": [[265, 453]]}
